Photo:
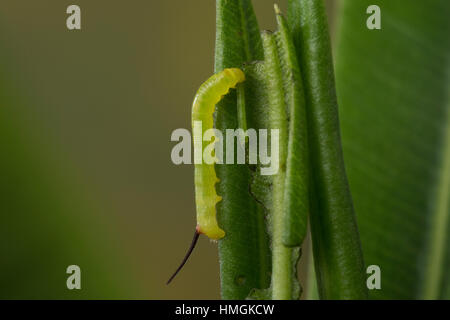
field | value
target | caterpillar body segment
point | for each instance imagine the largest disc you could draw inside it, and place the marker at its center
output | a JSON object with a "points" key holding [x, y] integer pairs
{"points": [[206, 198]]}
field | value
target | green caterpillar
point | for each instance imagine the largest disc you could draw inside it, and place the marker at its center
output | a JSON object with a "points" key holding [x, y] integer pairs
{"points": [[206, 198]]}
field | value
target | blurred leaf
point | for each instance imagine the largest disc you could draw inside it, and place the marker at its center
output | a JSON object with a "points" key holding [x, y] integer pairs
{"points": [[393, 87]]}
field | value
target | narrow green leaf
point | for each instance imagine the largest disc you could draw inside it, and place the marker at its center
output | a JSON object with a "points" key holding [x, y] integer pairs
{"points": [[296, 193], [395, 114], [238, 38], [336, 245], [244, 251]]}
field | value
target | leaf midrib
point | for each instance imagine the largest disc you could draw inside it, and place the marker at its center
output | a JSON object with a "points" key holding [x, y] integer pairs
{"points": [[439, 222], [245, 35]]}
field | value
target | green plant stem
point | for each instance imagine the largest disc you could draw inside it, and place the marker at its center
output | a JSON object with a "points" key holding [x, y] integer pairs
{"points": [[281, 255], [281, 265]]}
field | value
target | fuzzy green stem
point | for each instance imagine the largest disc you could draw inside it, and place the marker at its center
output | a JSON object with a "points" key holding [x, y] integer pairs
{"points": [[281, 255]]}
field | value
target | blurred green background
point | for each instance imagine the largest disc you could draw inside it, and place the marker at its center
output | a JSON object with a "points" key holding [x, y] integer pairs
{"points": [[85, 124]]}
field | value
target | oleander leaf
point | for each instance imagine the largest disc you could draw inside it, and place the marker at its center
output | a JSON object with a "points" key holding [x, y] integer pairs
{"points": [[338, 258], [244, 252]]}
